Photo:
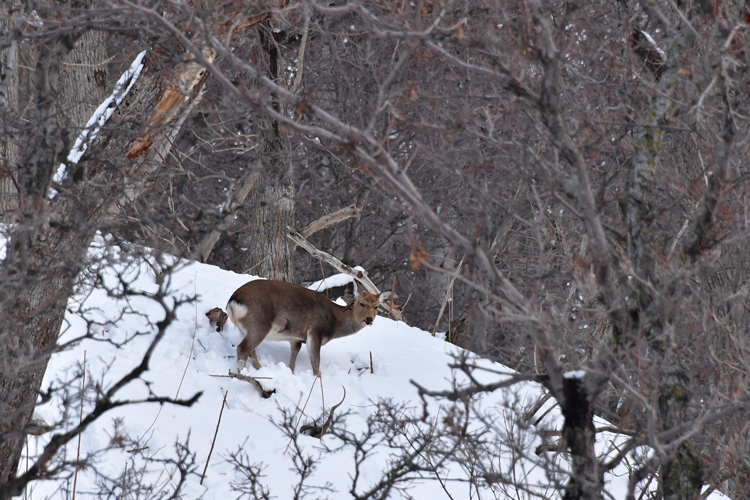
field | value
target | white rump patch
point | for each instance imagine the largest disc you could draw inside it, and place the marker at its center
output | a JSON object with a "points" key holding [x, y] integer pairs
{"points": [[236, 311]]}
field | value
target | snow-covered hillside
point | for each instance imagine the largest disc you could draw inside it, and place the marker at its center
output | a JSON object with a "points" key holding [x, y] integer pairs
{"points": [[193, 357]]}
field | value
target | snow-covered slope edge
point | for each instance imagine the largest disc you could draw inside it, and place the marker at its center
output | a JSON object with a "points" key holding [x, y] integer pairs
{"points": [[192, 358]]}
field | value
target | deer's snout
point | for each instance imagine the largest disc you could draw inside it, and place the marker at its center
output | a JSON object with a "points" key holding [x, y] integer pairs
{"points": [[368, 320]]}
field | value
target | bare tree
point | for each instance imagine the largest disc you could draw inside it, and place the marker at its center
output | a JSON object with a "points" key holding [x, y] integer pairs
{"points": [[63, 201], [585, 161], [596, 153]]}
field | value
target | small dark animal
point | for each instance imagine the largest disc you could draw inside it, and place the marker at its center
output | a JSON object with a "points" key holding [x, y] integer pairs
{"points": [[217, 317]]}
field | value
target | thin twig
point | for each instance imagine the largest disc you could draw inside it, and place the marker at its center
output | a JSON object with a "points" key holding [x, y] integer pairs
{"points": [[537, 406], [322, 394], [278, 247], [447, 296], [216, 433], [372, 368], [302, 411], [124, 481], [195, 332], [393, 295], [301, 58], [26, 489], [78, 453]]}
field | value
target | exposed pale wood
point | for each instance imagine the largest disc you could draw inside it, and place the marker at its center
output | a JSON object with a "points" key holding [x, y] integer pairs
{"points": [[187, 82]]}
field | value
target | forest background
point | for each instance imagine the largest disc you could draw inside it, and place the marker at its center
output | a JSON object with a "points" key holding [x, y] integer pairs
{"points": [[558, 185]]}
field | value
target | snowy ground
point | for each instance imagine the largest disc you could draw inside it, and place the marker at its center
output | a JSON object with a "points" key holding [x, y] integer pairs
{"points": [[188, 360]]}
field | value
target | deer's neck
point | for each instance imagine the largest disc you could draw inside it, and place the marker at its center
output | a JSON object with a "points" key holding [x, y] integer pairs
{"points": [[346, 324]]}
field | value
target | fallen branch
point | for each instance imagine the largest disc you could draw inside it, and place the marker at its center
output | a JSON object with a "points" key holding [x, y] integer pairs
{"points": [[330, 220], [329, 420], [264, 393], [330, 259], [358, 275]]}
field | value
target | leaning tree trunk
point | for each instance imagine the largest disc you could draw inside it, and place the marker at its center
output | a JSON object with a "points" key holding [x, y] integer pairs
{"points": [[47, 247]]}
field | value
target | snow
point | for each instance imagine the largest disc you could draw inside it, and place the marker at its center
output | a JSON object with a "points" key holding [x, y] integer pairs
{"points": [[577, 374], [333, 281], [655, 45], [100, 117], [192, 357]]}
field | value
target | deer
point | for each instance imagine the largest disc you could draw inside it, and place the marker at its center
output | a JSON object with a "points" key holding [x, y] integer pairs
{"points": [[282, 311]]}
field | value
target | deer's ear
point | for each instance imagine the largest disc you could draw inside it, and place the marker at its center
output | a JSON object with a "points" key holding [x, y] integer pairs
{"points": [[385, 296]]}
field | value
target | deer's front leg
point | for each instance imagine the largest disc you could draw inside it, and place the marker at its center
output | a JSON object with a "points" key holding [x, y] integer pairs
{"points": [[313, 349], [296, 346]]}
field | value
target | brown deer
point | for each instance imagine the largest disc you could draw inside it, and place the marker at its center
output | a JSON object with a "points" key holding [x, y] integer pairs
{"points": [[277, 310]]}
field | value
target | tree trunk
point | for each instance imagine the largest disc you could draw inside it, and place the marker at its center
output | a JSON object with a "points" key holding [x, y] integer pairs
{"points": [[272, 197], [47, 248], [272, 201], [680, 477], [579, 435], [8, 144], [36, 304], [83, 85]]}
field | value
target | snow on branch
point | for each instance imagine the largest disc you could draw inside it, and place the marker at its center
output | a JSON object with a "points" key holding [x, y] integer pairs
{"points": [[101, 115]]}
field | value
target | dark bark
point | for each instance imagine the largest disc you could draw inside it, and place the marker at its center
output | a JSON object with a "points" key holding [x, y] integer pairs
{"points": [[579, 434], [272, 197], [8, 143], [47, 248], [36, 278]]}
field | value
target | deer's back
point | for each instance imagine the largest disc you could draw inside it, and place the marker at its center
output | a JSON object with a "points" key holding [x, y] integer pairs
{"points": [[290, 309]]}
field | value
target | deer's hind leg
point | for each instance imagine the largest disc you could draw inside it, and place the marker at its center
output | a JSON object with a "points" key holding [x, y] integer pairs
{"points": [[246, 349]]}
